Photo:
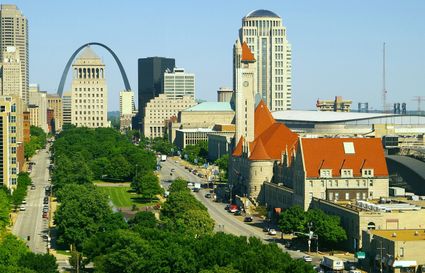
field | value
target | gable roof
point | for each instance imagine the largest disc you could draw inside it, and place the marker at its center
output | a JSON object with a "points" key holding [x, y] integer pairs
{"points": [[332, 153], [247, 55], [239, 147], [263, 119], [259, 152]]}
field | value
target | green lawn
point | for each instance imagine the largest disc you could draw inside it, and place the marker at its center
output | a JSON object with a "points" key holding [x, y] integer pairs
{"points": [[121, 196]]}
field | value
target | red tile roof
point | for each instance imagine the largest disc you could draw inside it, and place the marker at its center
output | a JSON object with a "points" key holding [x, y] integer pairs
{"points": [[259, 152], [247, 55], [263, 119], [239, 147], [329, 153]]}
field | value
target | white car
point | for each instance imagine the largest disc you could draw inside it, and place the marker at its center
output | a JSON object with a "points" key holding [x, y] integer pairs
{"points": [[22, 208], [307, 258], [272, 231]]}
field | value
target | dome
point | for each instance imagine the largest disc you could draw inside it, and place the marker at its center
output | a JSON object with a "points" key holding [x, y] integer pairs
{"points": [[261, 13]]}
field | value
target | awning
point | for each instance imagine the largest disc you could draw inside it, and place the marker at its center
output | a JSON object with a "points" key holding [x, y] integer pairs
{"points": [[404, 264]]}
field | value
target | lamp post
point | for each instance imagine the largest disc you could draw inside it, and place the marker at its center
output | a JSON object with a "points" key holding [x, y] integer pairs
{"points": [[310, 235]]}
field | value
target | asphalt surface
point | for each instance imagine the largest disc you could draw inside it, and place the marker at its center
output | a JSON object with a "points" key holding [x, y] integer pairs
{"points": [[30, 223], [224, 221]]}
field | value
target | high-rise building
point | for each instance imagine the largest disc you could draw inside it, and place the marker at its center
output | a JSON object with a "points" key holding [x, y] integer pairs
{"points": [[14, 33], [11, 140], [265, 34], [66, 108], [54, 102], [178, 84], [89, 96], [151, 81], [127, 111], [10, 73], [39, 98], [224, 94]]}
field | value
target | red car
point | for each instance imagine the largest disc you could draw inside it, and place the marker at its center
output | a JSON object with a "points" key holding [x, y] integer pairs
{"points": [[45, 215]]}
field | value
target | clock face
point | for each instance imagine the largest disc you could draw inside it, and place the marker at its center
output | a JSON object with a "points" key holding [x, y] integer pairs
{"points": [[245, 83]]}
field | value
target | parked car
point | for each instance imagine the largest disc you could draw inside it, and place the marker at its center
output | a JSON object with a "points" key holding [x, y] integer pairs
{"points": [[45, 215], [173, 170], [33, 187], [208, 195], [248, 219], [266, 229], [307, 258], [45, 209], [22, 208], [272, 231], [196, 189], [24, 201], [233, 208], [238, 212], [200, 175], [227, 207]]}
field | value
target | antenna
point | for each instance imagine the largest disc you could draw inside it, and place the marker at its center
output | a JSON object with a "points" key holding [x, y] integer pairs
{"points": [[384, 88]]}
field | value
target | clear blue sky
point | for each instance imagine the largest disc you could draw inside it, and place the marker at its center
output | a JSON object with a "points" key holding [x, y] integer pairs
{"points": [[337, 45]]}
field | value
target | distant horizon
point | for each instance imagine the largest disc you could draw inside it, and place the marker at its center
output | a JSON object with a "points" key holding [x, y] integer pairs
{"points": [[336, 47]]}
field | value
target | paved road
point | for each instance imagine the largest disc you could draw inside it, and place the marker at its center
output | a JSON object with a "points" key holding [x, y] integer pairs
{"points": [[224, 221], [30, 222]]}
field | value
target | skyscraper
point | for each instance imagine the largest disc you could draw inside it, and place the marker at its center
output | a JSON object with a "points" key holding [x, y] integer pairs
{"points": [[265, 35], [151, 81], [14, 33], [178, 83], [89, 96]]}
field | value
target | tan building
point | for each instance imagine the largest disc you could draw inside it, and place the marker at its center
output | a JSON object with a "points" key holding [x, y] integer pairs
{"points": [[34, 115], [54, 102], [127, 109], [66, 108], [395, 250], [11, 79], [14, 33], [160, 109], [39, 99], [224, 94], [337, 105], [186, 137], [11, 148], [179, 84], [89, 94]]}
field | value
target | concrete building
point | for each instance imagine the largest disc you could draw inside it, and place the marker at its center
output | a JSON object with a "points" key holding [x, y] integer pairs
{"points": [[51, 121], [54, 102], [39, 98], [66, 108], [224, 94], [127, 111], [179, 84], [10, 73], [395, 250], [89, 91], [14, 33], [151, 82], [26, 126], [265, 35], [11, 140], [186, 137], [160, 109], [34, 111], [337, 105]]}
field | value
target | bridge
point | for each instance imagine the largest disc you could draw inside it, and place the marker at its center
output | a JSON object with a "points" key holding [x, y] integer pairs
{"points": [[71, 59]]}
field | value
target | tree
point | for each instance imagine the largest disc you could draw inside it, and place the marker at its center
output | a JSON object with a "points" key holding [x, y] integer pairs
{"points": [[4, 210], [146, 184], [20, 192], [118, 168], [178, 185], [41, 263], [144, 219], [223, 165], [293, 219], [327, 227], [195, 222]]}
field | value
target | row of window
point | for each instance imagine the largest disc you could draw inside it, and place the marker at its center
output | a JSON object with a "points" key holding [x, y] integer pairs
{"points": [[336, 183], [84, 106], [88, 101], [89, 118], [89, 112], [327, 173], [88, 89]]}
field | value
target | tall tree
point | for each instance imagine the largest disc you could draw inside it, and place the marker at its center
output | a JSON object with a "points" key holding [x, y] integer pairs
{"points": [[146, 184]]}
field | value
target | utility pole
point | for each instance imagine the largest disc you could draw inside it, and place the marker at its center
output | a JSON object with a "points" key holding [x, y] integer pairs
{"points": [[381, 257]]}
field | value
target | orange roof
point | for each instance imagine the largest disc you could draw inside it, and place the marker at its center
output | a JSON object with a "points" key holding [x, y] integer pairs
{"points": [[263, 119], [259, 152], [238, 149], [247, 55], [330, 153]]}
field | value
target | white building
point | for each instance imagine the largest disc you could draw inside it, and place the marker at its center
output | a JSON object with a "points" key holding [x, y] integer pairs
{"points": [[160, 109], [265, 34], [89, 96], [178, 84], [39, 98], [14, 32], [127, 109], [10, 73]]}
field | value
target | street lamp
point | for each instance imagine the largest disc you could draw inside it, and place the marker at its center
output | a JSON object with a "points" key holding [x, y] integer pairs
{"points": [[310, 235]]}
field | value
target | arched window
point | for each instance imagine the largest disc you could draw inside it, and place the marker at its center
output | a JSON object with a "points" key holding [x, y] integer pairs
{"points": [[371, 225], [97, 73], [84, 73]]}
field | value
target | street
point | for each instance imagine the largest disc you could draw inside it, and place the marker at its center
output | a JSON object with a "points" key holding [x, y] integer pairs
{"points": [[224, 221], [29, 223]]}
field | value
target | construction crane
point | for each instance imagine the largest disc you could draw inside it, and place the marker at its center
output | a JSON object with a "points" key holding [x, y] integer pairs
{"points": [[419, 99]]}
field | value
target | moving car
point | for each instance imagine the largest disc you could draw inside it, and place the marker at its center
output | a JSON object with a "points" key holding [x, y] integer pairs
{"points": [[248, 219], [307, 258], [173, 170], [272, 231]]}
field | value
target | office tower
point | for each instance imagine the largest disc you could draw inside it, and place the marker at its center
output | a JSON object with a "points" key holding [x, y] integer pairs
{"points": [[151, 81], [224, 94], [127, 111], [39, 99], [89, 96], [245, 72], [265, 34], [178, 83], [66, 108], [11, 140], [14, 33], [54, 102], [10, 73]]}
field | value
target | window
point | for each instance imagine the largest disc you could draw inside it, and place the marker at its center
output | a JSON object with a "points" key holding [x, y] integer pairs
{"points": [[347, 196], [326, 173], [13, 150], [13, 139], [13, 108], [367, 172], [13, 161], [336, 196], [346, 173], [330, 196]]}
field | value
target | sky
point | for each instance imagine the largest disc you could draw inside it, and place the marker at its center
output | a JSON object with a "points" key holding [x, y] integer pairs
{"points": [[336, 45]]}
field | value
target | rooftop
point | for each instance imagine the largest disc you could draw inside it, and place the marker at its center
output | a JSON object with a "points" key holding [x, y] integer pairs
{"points": [[323, 116], [88, 53], [400, 234], [261, 13], [211, 106]]}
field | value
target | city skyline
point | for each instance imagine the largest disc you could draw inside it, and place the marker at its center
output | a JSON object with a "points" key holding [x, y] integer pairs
{"points": [[326, 60]]}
